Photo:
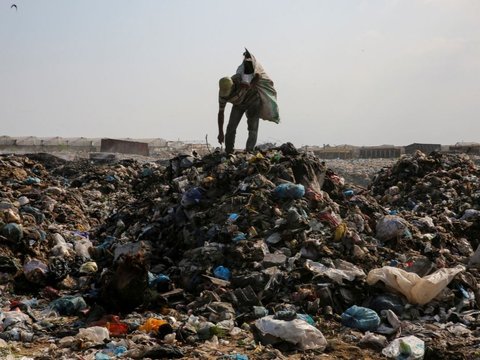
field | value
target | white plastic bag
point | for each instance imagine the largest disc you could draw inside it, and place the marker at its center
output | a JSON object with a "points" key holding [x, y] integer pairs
{"points": [[475, 259], [344, 271], [94, 334], [408, 345], [416, 289], [390, 227], [299, 332]]}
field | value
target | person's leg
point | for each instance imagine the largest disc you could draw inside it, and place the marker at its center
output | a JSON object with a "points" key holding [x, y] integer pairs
{"points": [[235, 116], [253, 120], [252, 132]]}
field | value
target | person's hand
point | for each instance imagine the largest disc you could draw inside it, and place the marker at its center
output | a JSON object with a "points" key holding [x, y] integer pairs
{"points": [[221, 137]]}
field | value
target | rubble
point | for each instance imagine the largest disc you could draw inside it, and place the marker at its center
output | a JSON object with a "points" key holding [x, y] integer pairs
{"points": [[253, 255]]}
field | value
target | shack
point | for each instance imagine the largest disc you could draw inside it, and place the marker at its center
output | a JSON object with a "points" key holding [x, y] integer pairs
{"points": [[335, 152], [378, 152], [124, 147], [471, 148], [425, 148]]}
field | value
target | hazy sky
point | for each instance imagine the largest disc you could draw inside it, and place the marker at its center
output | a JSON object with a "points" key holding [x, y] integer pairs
{"points": [[355, 72]]}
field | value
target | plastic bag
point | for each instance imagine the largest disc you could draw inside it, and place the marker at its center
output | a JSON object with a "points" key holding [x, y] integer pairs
{"points": [[475, 259], [221, 272], [69, 305], [289, 191], [390, 227], [89, 267], [94, 334], [405, 348], [152, 324], [344, 271], [299, 332], [117, 329], [361, 318], [81, 247], [35, 271], [416, 289], [192, 197]]}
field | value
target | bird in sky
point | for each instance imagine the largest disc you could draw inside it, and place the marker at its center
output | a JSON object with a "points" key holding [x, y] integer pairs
{"points": [[14, 6]]}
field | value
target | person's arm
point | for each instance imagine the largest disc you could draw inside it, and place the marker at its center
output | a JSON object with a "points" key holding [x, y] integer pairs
{"points": [[221, 119]]}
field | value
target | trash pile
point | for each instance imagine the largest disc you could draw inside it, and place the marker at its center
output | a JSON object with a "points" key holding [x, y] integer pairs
{"points": [[359, 171], [249, 256]]}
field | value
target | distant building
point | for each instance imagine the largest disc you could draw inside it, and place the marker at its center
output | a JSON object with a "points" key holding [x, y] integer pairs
{"points": [[471, 148], [7, 141], [380, 152], [335, 152], [124, 147], [28, 141], [425, 148]]}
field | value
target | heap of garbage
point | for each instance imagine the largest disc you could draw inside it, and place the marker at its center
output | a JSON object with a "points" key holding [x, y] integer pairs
{"points": [[249, 256]]}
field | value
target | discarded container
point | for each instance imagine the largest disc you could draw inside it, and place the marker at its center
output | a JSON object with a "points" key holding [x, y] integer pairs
{"points": [[296, 331], [405, 348], [361, 318]]}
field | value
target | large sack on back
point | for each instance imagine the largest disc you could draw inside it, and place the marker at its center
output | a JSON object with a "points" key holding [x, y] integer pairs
{"points": [[268, 95]]}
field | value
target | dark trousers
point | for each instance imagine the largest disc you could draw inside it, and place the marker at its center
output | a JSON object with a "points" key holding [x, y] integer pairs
{"points": [[252, 110]]}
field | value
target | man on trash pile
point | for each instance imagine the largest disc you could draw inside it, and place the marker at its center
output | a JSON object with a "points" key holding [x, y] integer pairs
{"points": [[249, 91]]}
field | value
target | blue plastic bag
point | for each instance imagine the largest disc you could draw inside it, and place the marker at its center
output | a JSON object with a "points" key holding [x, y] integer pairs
{"points": [[289, 191], [222, 272], [361, 318], [192, 197]]}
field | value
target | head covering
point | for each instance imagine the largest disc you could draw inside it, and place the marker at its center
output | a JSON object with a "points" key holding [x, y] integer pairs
{"points": [[225, 84]]}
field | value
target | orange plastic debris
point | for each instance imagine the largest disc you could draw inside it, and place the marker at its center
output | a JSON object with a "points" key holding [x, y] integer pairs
{"points": [[116, 329], [152, 325]]}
